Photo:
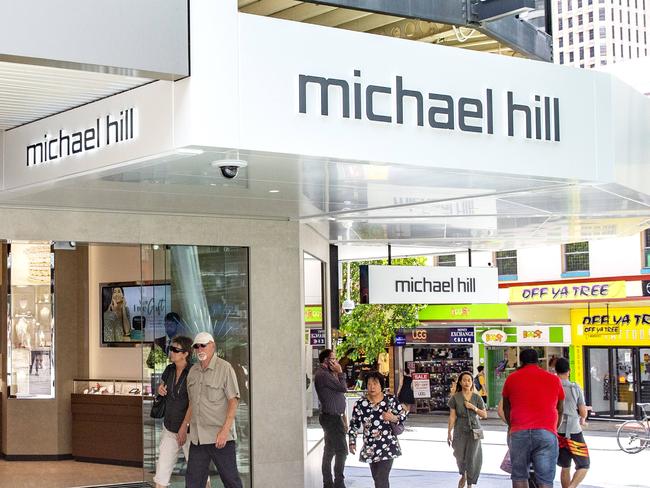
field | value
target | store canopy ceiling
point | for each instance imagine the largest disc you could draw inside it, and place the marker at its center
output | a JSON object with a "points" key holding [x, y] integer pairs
{"points": [[358, 202]]}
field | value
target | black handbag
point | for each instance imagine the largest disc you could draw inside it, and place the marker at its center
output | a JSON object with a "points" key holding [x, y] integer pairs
{"points": [[397, 428], [158, 407]]}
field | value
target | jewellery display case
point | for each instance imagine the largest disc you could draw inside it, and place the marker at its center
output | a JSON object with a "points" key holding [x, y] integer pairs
{"points": [[111, 387], [107, 420]]}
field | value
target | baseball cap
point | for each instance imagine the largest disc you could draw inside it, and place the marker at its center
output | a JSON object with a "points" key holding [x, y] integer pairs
{"points": [[203, 338]]}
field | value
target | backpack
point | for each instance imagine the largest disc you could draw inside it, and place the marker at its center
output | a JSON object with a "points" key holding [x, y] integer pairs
{"points": [[477, 383]]}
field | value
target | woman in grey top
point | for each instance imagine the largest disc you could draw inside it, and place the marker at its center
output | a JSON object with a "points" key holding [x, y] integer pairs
{"points": [[465, 408]]}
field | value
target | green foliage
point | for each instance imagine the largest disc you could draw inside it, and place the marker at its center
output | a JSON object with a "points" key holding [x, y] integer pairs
{"points": [[369, 329], [156, 357]]}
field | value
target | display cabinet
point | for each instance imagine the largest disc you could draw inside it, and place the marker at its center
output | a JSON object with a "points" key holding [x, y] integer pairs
{"points": [[107, 420]]}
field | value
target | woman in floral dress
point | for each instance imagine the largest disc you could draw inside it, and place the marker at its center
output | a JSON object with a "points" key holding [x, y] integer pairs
{"points": [[375, 414]]}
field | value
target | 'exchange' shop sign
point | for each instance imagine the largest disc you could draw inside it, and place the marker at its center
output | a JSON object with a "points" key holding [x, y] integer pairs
{"points": [[423, 284]]}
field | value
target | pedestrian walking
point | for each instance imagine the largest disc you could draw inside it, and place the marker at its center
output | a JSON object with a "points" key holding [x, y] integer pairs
{"points": [[330, 384], [464, 431], [479, 383], [571, 439], [214, 397], [532, 406], [173, 387], [380, 417], [405, 395]]}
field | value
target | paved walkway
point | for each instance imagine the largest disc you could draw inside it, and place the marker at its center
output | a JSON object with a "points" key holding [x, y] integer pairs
{"points": [[427, 461], [402, 478]]}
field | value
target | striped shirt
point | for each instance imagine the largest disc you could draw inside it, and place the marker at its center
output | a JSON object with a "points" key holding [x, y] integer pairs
{"points": [[330, 389]]}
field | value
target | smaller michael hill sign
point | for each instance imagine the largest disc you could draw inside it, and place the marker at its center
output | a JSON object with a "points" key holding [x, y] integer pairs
{"points": [[424, 284]]}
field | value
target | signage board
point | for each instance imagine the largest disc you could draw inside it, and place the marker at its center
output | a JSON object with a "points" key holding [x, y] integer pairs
{"points": [[425, 284], [313, 314], [494, 337], [440, 335], [568, 292], [533, 334], [317, 337], [400, 340], [524, 117], [125, 127], [461, 335], [488, 312], [620, 326], [421, 385]]}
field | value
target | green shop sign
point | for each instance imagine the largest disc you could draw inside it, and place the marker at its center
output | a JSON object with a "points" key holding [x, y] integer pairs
{"points": [[524, 335], [313, 314], [492, 312]]}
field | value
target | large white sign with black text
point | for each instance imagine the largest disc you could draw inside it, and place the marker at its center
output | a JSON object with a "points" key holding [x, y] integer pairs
{"points": [[424, 284], [351, 95]]}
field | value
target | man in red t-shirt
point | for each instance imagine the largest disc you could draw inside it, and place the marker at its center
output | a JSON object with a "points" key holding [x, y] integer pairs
{"points": [[532, 404]]}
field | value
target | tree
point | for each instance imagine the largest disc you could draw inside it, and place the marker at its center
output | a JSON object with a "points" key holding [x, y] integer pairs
{"points": [[369, 329]]}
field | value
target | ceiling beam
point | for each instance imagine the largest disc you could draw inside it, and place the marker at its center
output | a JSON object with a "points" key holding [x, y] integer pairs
{"points": [[509, 30]]}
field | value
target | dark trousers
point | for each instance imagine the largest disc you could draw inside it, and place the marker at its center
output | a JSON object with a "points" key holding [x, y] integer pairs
{"points": [[198, 465], [336, 447], [380, 472]]}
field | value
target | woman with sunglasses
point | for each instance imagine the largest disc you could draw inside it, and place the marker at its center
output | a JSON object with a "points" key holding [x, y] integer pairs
{"points": [[177, 412]]}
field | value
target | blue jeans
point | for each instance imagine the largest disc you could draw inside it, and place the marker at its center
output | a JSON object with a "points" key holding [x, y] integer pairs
{"points": [[537, 446]]}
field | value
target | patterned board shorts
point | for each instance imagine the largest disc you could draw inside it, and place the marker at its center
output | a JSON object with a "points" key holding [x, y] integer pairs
{"points": [[573, 447]]}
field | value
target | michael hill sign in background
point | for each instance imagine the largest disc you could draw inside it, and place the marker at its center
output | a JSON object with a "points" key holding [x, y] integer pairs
{"points": [[418, 284]]}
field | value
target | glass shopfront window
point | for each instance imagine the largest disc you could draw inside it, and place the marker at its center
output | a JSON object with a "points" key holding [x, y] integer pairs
{"points": [[30, 344], [613, 380], [208, 291]]}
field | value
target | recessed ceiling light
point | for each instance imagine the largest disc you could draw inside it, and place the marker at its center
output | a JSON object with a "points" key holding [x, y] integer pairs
{"points": [[274, 191], [213, 184]]}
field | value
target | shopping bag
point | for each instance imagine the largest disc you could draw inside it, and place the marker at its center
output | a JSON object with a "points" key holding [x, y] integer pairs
{"points": [[506, 464]]}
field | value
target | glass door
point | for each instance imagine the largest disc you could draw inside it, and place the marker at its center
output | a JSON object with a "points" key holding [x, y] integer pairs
{"points": [[613, 381], [599, 381], [188, 290], [624, 398]]}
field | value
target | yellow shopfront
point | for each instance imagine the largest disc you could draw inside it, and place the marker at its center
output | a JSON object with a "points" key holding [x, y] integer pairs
{"points": [[610, 356]]}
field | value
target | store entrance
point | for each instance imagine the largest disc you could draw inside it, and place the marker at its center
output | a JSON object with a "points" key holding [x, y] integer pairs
{"points": [[442, 364], [618, 378]]}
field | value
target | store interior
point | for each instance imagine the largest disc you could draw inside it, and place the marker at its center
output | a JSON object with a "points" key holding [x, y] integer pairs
{"points": [[87, 326]]}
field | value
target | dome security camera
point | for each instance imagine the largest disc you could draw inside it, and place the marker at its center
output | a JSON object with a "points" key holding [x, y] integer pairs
{"points": [[229, 167], [348, 306]]}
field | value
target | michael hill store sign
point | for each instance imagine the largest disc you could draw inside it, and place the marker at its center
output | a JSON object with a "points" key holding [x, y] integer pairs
{"points": [[611, 326]]}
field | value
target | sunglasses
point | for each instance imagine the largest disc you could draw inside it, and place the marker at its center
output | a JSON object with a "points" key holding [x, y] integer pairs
{"points": [[196, 346], [176, 349]]}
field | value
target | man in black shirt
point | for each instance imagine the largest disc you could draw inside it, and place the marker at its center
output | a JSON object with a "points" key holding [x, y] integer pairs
{"points": [[329, 381]]}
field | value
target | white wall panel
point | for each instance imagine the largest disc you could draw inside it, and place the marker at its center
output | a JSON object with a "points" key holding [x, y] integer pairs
{"points": [[539, 263]]}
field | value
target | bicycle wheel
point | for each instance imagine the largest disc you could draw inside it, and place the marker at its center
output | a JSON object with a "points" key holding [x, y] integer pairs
{"points": [[632, 436]]}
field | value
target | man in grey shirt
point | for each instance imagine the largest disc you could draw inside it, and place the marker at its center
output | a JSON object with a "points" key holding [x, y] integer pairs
{"points": [[214, 396], [330, 385], [571, 440]]}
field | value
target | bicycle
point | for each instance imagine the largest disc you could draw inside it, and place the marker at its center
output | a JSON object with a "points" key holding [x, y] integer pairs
{"points": [[634, 435]]}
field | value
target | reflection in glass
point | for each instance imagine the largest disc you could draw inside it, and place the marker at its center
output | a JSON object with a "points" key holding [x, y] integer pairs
{"points": [[599, 381], [624, 389], [644, 374], [31, 321], [314, 329], [209, 293]]}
